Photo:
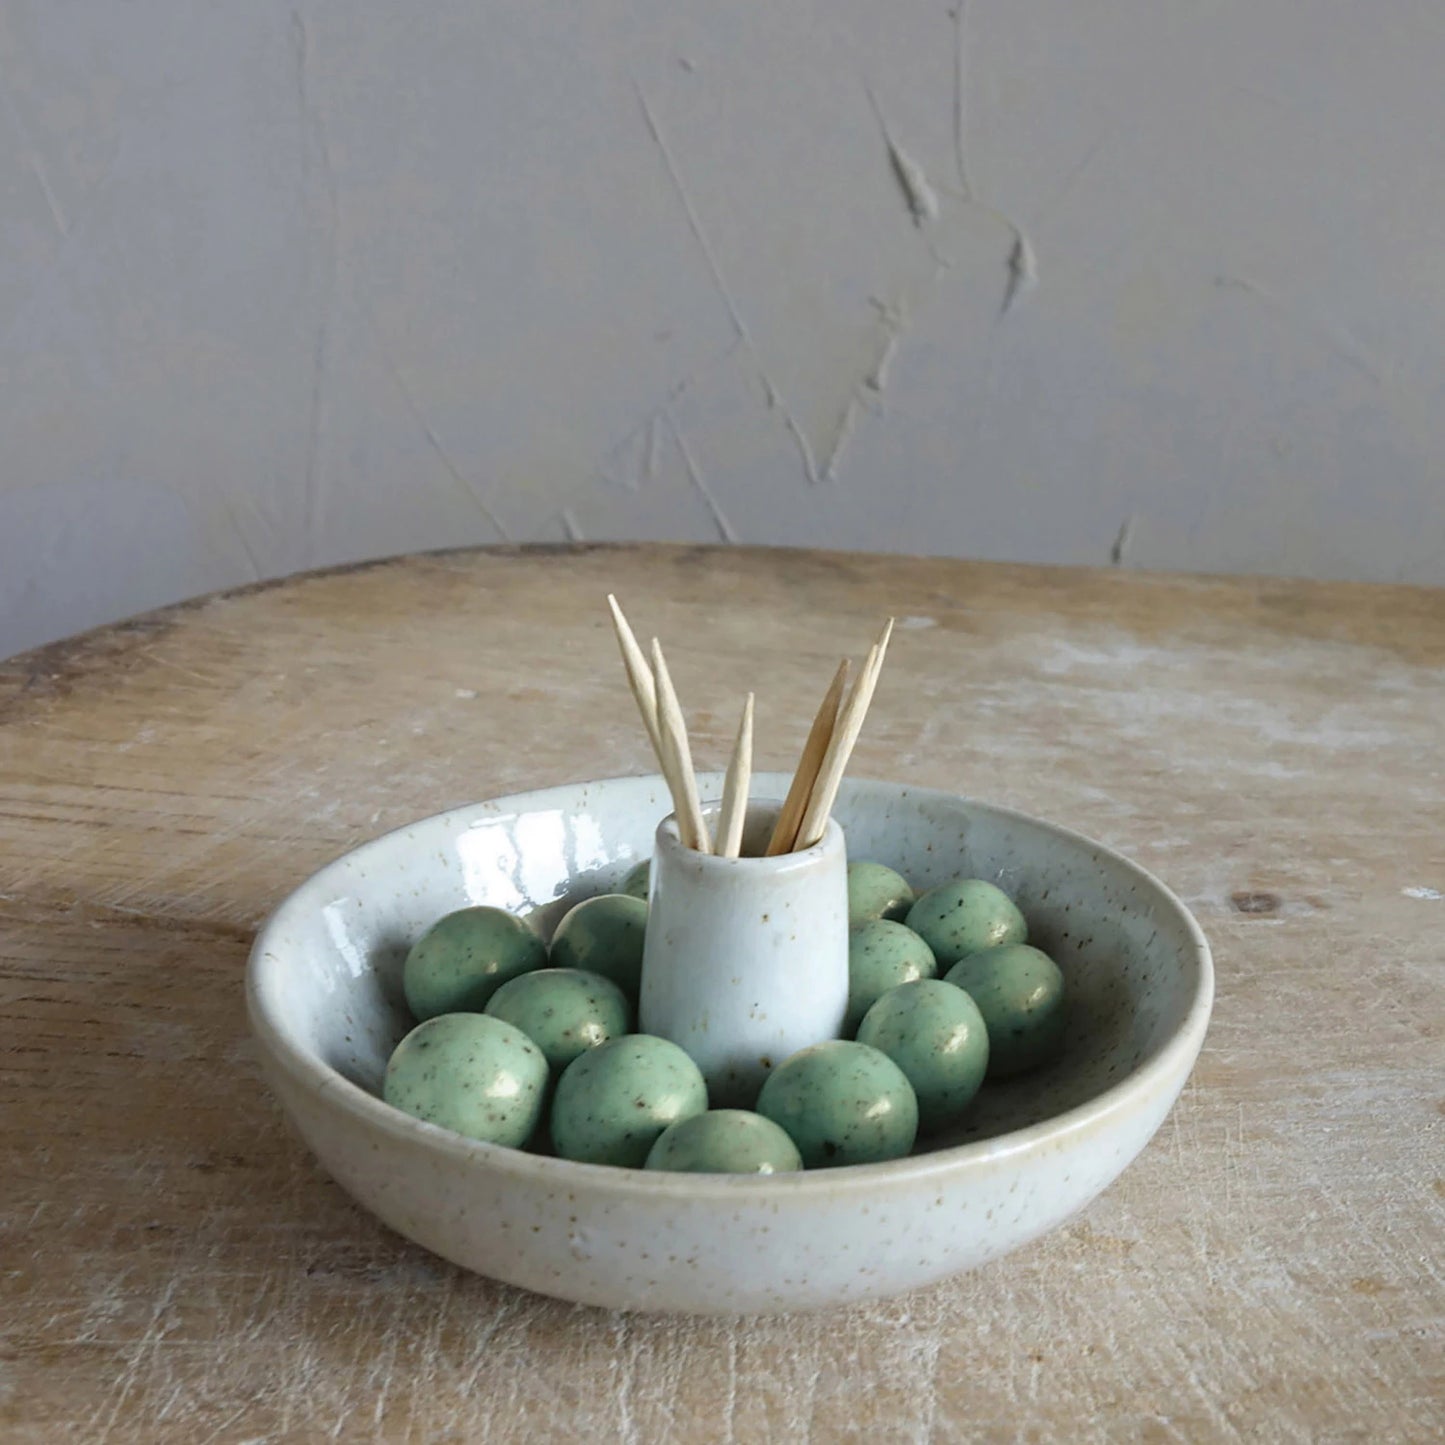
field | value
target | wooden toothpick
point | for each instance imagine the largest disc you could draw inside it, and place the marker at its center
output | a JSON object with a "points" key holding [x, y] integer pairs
{"points": [[785, 830], [735, 788], [825, 756], [639, 676], [840, 748], [672, 731]]}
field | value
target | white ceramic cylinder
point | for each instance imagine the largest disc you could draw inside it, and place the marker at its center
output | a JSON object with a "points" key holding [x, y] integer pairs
{"points": [[746, 959]]}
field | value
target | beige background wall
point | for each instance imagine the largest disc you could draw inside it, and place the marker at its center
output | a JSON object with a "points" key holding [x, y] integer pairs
{"points": [[282, 286]]}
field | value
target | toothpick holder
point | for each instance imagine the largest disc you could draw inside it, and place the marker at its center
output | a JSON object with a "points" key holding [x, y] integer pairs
{"points": [[746, 959]]}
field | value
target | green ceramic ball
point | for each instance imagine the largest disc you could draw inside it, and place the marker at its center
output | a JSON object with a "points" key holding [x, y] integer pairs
{"points": [[635, 884], [604, 935], [936, 1035], [1020, 993], [472, 1074], [564, 1011], [877, 892], [462, 959], [842, 1103], [614, 1101], [966, 916], [881, 955], [725, 1141]]}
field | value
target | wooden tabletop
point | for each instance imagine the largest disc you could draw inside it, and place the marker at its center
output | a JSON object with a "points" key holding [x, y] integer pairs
{"points": [[174, 1267]]}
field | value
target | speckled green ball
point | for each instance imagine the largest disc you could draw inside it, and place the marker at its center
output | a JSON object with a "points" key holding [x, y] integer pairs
{"points": [[462, 959], [875, 891], [881, 955], [614, 1101], [604, 935], [725, 1141], [637, 879], [470, 1073], [564, 1011], [966, 916], [936, 1035], [842, 1103], [1020, 993]]}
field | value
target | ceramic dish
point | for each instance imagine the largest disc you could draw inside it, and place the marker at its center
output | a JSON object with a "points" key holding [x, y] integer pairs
{"points": [[324, 996]]}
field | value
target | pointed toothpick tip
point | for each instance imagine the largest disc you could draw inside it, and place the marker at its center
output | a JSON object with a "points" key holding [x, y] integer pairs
{"points": [[672, 730], [732, 815]]}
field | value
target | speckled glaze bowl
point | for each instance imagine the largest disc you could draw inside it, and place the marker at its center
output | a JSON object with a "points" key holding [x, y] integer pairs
{"points": [[324, 995]]}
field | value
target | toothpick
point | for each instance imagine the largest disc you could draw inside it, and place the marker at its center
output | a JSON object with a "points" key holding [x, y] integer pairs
{"points": [[675, 750], [639, 675], [735, 788], [840, 748], [785, 830]]}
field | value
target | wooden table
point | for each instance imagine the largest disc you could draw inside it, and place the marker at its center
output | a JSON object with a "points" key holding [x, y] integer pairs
{"points": [[175, 1267]]}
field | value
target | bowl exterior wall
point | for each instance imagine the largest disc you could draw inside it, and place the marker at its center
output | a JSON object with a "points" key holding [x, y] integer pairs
{"points": [[746, 1253]]}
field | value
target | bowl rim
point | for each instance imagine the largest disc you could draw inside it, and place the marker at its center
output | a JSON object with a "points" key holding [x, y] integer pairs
{"points": [[1171, 1061]]}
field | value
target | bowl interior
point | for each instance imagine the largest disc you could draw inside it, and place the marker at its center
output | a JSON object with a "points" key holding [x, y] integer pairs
{"points": [[328, 968]]}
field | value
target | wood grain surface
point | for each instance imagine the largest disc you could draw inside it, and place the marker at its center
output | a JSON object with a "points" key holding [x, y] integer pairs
{"points": [[174, 1267]]}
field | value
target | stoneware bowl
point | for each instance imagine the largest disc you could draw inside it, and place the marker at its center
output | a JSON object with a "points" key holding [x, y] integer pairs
{"points": [[324, 994]]}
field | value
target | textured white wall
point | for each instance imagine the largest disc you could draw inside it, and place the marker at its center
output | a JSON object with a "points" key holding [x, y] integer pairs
{"points": [[283, 286]]}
